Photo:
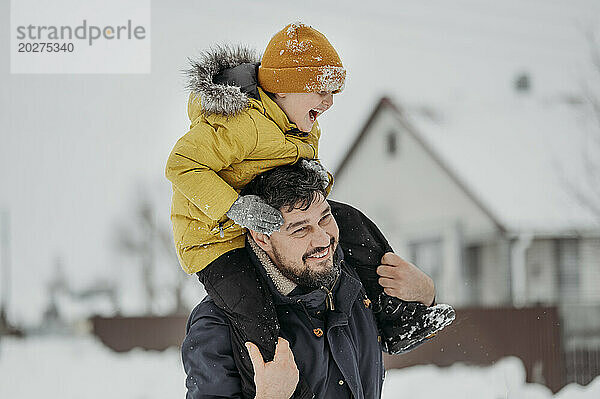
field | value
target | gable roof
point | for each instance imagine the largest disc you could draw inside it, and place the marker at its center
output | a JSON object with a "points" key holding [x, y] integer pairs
{"points": [[495, 161], [386, 104]]}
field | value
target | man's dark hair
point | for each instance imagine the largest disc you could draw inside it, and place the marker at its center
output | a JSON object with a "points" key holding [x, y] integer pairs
{"points": [[292, 186]]}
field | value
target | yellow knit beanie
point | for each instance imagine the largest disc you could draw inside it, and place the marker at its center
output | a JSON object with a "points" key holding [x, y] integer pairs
{"points": [[300, 59]]}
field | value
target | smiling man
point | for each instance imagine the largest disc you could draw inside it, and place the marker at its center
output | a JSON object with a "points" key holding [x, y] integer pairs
{"points": [[303, 250], [329, 343]]}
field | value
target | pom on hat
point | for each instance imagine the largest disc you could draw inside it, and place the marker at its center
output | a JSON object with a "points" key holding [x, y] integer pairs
{"points": [[300, 59]]}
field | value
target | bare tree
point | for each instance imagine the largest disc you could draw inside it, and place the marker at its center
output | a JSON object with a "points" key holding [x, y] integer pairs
{"points": [[142, 237], [165, 238], [5, 276], [586, 188]]}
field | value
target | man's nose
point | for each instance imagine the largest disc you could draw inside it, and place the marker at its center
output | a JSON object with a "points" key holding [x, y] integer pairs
{"points": [[320, 238]]}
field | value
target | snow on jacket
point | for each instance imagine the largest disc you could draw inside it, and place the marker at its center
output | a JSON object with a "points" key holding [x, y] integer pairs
{"points": [[342, 360], [237, 132]]}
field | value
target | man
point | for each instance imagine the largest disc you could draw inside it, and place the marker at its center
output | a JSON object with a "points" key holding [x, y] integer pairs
{"points": [[329, 345]]}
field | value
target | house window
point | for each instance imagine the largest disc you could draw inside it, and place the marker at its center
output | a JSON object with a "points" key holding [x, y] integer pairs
{"points": [[567, 255], [392, 143], [427, 256], [472, 274]]}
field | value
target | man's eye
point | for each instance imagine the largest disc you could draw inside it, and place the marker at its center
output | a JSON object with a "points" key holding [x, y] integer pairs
{"points": [[300, 230], [326, 218]]}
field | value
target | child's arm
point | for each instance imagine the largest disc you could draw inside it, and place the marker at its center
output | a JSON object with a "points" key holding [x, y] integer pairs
{"points": [[206, 149]]}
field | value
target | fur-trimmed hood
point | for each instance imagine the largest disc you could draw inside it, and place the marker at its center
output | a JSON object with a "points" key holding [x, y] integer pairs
{"points": [[224, 79]]}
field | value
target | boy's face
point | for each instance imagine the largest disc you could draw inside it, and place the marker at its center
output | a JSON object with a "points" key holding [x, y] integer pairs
{"points": [[303, 109], [304, 247]]}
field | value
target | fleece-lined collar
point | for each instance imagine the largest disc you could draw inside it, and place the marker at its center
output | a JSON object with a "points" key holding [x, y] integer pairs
{"points": [[283, 284]]}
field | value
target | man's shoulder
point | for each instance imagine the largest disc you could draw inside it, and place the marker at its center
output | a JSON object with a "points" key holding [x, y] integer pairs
{"points": [[207, 354], [207, 315]]}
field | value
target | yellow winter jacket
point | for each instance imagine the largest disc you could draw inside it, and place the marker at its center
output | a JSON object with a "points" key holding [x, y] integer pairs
{"points": [[231, 140]]}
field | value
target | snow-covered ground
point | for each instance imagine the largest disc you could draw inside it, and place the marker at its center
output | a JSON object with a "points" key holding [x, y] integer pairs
{"points": [[503, 380], [81, 367]]}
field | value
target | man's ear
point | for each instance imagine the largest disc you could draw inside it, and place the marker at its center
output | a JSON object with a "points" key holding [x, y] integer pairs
{"points": [[263, 240], [280, 95]]}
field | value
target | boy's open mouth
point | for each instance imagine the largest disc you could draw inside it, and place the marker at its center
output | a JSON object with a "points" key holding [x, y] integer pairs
{"points": [[313, 113]]}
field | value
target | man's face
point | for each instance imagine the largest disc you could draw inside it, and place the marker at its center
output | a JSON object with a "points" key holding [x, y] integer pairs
{"points": [[303, 109], [304, 247]]}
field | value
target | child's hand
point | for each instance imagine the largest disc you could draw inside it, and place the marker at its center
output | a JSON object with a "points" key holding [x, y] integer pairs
{"points": [[404, 280], [254, 213]]}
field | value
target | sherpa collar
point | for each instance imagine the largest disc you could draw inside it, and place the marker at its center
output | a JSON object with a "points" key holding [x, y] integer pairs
{"points": [[345, 290], [282, 283]]}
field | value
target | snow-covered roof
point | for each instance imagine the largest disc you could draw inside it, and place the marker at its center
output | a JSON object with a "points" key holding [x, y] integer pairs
{"points": [[515, 156]]}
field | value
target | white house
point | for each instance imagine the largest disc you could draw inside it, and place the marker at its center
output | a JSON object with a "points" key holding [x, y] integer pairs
{"points": [[478, 197]]}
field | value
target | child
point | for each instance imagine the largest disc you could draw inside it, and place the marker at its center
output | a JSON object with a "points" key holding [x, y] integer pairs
{"points": [[249, 117]]}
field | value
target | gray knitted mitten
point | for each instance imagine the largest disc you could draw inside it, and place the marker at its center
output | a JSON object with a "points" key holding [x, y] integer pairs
{"points": [[254, 213]]}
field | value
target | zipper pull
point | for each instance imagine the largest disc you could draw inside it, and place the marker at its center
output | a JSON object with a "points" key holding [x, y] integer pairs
{"points": [[221, 233], [329, 299], [330, 296]]}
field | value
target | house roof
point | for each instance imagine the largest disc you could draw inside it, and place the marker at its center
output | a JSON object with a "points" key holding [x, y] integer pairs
{"points": [[516, 160]]}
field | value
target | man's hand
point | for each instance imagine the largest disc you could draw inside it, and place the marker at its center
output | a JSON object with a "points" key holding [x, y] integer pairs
{"points": [[276, 379], [404, 280]]}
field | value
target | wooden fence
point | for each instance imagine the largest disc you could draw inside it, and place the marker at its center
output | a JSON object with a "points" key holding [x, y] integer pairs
{"points": [[478, 336]]}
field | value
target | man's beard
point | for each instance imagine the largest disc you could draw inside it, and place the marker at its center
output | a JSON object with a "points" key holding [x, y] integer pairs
{"points": [[307, 277]]}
